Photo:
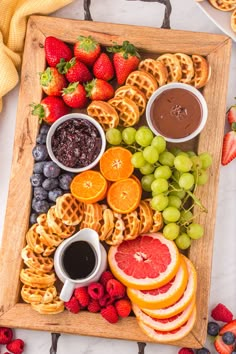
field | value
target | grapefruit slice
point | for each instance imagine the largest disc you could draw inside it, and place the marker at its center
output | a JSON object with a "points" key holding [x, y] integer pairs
{"points": [[167, 324], [169, 336], [187, 297], [163, 296], [145, 263]]}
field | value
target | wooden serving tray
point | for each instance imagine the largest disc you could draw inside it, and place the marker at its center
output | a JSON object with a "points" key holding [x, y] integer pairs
{"points": [[150, 42]]}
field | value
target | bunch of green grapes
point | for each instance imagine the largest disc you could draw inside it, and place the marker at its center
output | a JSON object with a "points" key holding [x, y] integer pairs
{"points": [[171, 177]]}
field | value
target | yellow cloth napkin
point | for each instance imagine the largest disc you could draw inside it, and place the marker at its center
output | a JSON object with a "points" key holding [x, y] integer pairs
{"points": [[13, 21]]}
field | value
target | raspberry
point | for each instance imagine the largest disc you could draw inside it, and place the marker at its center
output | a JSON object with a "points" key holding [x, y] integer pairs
{"points": [[81, 294], [16, 346], [106, 300], [110, 314], [107, 275], [123, 307], [185, 351], [6, 335], [94, 306], [72, 305], [115, 289], [221, 313], [96, 290]]}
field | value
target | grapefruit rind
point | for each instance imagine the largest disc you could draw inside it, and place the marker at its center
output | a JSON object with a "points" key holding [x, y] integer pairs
{"points": [[167, 337], [162, 299], [146, 283]]}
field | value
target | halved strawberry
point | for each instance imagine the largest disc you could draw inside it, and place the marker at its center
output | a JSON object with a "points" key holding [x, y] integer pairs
{"points": [[221, 347], [229, 327], [231, 114], [229, 146]]}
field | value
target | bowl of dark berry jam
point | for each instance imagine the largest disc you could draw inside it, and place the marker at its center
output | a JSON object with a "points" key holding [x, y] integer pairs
{"points": [[76, 142]]}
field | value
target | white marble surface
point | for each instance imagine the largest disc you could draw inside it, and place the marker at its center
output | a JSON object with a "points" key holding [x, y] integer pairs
{"points": [[185, 15]]}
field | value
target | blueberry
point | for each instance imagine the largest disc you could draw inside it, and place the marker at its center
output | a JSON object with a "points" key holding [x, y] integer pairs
{"points": [[202, 351], [41, 206], [34, 200], [38, 167], [228, 338], [65, 181], [50, 183], [51, 170], [40, 152], [41, 138], [33, 218], [44, 129], [36, 179], [213, 328], [54, 194], [40, 193]]}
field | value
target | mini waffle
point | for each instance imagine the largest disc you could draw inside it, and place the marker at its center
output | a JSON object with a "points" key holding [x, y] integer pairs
{"points": [[51, 308], [144, 81], [104, 114], [36, 244], [127, 110], [47, 236], [156, 68], [38, 262], [172, 65], [187, 68], [37, 279], [134, 94], [92, 216], [132, 225], [202, 71], [107, 224], [233, 21], [31, 295], [117, 235], [157, 221], [57, 226], [69, 209], [145, 216], [223, 5]]}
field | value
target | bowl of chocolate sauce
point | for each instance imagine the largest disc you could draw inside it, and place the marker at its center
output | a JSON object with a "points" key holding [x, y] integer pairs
{"points": [[177, 111], [76, 142]]}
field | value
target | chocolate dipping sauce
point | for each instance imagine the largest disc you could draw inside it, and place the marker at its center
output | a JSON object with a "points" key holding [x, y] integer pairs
{"points": [[176, 113]]}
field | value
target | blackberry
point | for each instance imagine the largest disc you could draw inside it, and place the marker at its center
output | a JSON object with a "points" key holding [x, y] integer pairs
{"points": [[41, 139], [33, 218], [40, 152], [41, 206], [54, 194], [50, 183], [213, 328], [38, 167], [36, 179], [228, 338], [65, 181], [51, 170], [40, 193]]}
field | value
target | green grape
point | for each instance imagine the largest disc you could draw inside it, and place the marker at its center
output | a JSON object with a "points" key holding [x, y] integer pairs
{"points": [[159, 143], [177, 174], [138, 160], [147, 169], [183, 163], [195, 231], [159, 185], [171, 214], [128, 135], [163, 172], [206, 159], [144, 136], [159, 202], [186, 181], [171, 231], [175, 151], [191, 153], [113, 136], [146, 182], [150, 154], [183, 241], [174, 201], [201, 177], [167, 158], [197, 163], [182, 153], [186, 216], [177, 191]]}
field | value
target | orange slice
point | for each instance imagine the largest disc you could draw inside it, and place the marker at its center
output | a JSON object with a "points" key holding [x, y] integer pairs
{"points": [[170, 336], [187, 297], [145, 263], [124, 195], [167, 324], [115, 164], [163, 296], [136, 179], [89, 186]]}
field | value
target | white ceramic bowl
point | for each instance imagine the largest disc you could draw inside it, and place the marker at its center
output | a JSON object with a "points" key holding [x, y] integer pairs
{"points": [[189, 88], [62, 120]]}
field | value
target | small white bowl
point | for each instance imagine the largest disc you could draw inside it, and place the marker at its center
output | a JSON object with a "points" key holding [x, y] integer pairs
{"points": [[61, 120], [186, 87]]}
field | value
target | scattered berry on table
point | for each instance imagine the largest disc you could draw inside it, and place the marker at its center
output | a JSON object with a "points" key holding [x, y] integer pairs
{"points": [[228, 338], [54, 194], [41, 138], [38, 167], [231, 114], [229, 146], [40, 193], [81, 294], [202, 351], [115, 288], [36, 180], [6, 335], [110, 314], [94, 306], [65, 181], [96, 290], [40, 152], [221, 313], [185, 351], [50, 183], [72, 305], [123, 307], [51, 170], [16, 346], [41, 206], [213, 328]]}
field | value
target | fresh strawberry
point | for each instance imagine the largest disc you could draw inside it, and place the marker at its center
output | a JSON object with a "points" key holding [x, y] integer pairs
{"points": [[110, 314], [52, 82], [74, 70], [55, 50], [107, 275], [94, 306], [86, 49], [74, 95], [125, 60], [72, 305], [16, 346], [50, 109], [115, 288], [81, 294], [103, 67], [96, 290], [229, 327], [221, 347], [229, 146], [123, 307], [99, 90], [6, 335], [231, 114]]}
